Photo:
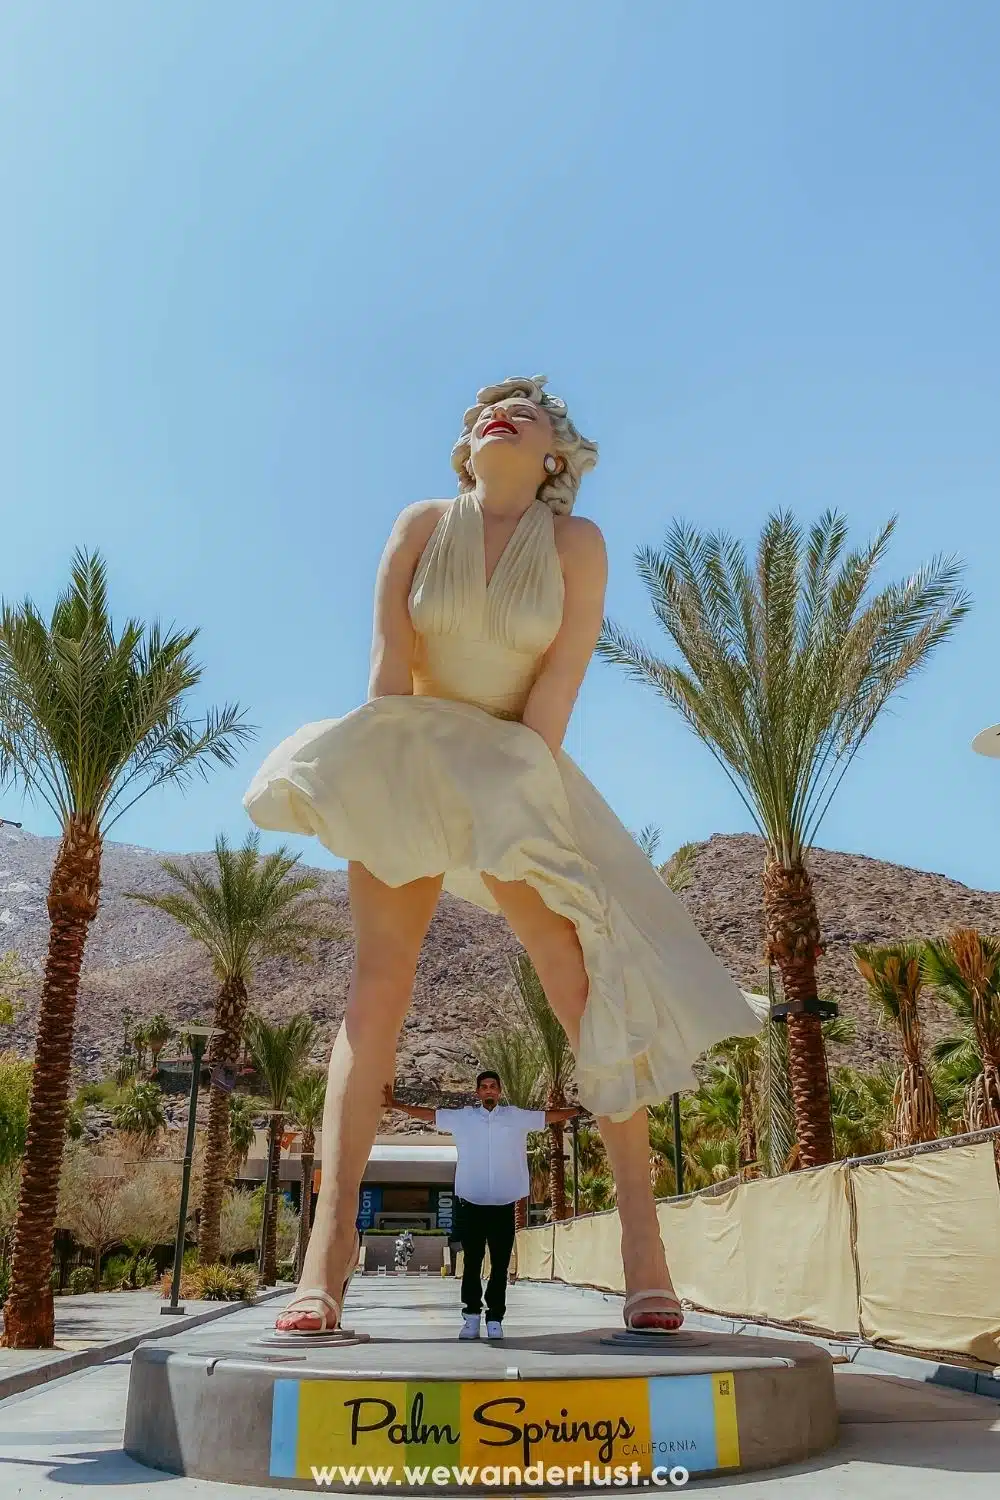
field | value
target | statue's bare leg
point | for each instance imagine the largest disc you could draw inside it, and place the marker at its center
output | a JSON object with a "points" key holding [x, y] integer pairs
{"points": [[554, 948], [389, 928]]}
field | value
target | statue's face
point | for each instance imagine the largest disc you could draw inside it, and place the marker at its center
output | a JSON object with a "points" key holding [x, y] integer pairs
{"points": [[512, 437]]}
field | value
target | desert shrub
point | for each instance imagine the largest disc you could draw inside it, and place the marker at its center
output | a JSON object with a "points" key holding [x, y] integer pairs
{"points": [[188, 1288], [4, 1279], [220, 1284], [81, 1280], [239, 1223], [15, 1091], [129, 1271], [115, 1271], [247, 1281], [105, 1093], [144, 1272], [286, 1270]]}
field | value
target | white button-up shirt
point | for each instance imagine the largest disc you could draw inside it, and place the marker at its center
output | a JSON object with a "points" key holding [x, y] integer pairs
{"points": [[492, 1150]]}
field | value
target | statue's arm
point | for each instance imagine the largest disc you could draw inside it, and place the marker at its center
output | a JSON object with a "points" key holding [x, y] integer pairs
{"points": [[391, 668], [584, 561]]}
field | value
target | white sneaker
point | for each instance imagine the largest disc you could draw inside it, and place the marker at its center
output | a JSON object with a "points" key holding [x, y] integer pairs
{"points": [[494, 1330], [470, 1328]]}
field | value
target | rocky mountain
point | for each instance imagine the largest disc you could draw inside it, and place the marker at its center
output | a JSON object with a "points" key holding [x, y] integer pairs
{"points": [[139, 961]]}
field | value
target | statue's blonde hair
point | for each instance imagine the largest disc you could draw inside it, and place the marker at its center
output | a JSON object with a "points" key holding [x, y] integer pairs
{"points": [[558, 491]]}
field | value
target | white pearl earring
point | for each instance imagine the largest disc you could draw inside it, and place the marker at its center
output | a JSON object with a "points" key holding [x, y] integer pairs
{"points": [[551, 464]]}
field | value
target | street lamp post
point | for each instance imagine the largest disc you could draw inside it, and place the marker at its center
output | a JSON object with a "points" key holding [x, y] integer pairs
{"points": [[199, 1041], [573, 1127], [678, 1147]]}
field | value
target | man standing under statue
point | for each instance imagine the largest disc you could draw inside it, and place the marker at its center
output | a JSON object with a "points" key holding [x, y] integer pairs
{"points": [[491, 1177]]}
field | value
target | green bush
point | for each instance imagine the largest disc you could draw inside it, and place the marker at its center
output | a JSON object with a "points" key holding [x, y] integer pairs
{"points": [[81, 1280], [127, 1272], [105, 1093], [286, 1270], [4, 1280], [247, 1281], [144, 1273], [221, 1284], [115, 1272]]}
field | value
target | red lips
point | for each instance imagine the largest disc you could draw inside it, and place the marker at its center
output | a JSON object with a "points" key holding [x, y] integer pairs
{"points": [[499, 426]]}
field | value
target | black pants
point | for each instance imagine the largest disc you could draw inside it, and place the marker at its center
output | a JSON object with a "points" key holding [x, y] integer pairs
{"points": [[482, 1224]]}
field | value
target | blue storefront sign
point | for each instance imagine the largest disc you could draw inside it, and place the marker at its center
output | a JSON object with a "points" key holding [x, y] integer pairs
{"points": [[445, 1209], [369, 1204]]}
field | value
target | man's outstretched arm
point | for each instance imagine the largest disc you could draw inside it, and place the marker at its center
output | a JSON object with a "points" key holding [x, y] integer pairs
{"points": [[560, 1116], [416, 1111]]}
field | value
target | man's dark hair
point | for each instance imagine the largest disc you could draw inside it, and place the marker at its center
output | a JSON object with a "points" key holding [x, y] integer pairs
{"points": [[489, 1074]]}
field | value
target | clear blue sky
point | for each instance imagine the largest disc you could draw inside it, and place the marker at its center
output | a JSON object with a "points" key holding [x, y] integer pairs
{"points": [[257, 259]]}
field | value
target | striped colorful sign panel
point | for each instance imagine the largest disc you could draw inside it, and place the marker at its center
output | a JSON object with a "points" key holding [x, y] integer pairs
{"points": [[639, 1425]]}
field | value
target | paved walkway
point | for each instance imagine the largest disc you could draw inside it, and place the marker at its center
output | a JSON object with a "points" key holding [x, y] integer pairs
{"points": [[899, 1438], [94, 1320]]}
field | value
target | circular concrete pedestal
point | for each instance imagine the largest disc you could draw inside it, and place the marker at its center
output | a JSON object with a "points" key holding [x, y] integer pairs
{"points": [[412, 1414]]}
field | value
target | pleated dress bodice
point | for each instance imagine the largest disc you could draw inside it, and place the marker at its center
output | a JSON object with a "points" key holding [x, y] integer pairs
{"points": [[482, 642]]}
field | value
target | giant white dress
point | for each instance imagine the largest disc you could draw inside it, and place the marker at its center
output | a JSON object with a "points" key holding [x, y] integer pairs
{"points": [[449, 780]]}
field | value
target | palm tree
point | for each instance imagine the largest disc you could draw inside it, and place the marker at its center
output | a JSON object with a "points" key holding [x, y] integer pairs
{"points": [[158, 1033], [678, 870], [306, 1099], [863, 1109], [242, 1131], [140, 1045], [965, 969], [532, 1010], [90, 721], [514, 1053], [894, 979], [734, 1072], [244, 908], [786, 668], [139, 1116], [279, 1053]]}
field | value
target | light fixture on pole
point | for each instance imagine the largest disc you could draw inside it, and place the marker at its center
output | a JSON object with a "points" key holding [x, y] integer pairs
{"points": [[199, 1038], [8, 823], [987, 742]]}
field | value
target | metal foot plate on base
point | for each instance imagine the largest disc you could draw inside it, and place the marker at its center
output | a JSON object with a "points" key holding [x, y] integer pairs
{"points": [[680, 1342], [335, 1339]]}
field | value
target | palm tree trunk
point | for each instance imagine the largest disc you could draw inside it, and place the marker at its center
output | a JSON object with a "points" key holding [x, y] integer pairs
{"points": [[749, 1166], [915, 1116], [74, 893], [305, 1207], [982, 1109], [792, 942], [224, 1052], [269, 1270], [521, 1214]]}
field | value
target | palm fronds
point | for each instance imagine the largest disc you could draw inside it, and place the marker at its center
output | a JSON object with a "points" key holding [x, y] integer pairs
{"points": [[246, 906], [786, 663], [94, 718], [279, 1051]]}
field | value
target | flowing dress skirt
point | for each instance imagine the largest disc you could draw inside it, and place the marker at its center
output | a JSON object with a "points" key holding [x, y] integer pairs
{"points": [[417, 786]]}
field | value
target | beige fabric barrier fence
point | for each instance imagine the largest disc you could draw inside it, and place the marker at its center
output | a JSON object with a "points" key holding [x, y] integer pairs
{"points": [[905, 1253], [929, 1251]]}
